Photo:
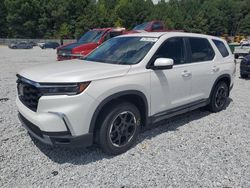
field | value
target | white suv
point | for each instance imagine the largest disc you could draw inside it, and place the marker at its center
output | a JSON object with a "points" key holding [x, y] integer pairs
{"points": [[127, 84]]}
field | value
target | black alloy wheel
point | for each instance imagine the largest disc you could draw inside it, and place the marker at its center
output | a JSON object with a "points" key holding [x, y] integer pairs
{"points": [[219, 96], [119, 126], [122, 129]]}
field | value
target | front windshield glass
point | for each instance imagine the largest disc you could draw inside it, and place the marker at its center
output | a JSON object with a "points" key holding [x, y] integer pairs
{"points": [[91, 36], [122, 50], [142, 26]]}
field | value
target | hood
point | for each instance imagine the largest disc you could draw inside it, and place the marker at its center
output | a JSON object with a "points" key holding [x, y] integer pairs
{"points": [[72, 46], [73, 71], [69, 46]]}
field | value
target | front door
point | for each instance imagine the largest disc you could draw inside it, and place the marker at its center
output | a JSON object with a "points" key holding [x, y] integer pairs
{"points": [[171, 88]]}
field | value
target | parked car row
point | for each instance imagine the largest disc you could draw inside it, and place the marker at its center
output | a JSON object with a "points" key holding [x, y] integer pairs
{"points": [[20, 45], [31, 44], [52, 45]]}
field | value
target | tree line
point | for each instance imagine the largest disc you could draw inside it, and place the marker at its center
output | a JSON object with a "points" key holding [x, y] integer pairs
{"points": [[70, 19]]}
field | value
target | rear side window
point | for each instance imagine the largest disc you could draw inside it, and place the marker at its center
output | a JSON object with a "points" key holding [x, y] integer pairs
{"points": [[201, 50], [221, 47]]}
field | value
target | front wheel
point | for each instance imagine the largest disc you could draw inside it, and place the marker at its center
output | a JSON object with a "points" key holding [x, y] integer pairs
{"points": [[119, 128], [219, 97]]}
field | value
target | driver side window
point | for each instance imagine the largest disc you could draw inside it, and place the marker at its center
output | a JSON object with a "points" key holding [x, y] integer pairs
{"points": [[174, 49]]}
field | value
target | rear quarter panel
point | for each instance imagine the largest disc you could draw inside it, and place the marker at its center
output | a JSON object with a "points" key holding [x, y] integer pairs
{"points": [[227, 65]]}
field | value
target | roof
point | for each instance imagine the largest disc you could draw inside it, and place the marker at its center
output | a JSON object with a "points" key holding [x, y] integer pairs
{"points": [[110, 28], [102, 29], [170, 33], [146, 34]]}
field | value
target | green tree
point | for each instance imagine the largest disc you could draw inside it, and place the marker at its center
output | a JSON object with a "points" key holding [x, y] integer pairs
{"points": [[60, 18], [130, 13], [3, 25], [245, 25], [22, 16]]}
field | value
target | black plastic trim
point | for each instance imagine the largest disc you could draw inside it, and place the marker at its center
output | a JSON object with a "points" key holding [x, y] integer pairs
{"points": [[178, 110], [162, 67], [63, 138], [217, 80]]}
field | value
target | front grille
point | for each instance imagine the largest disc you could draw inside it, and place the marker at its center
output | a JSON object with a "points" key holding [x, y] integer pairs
{"points": [[28, 94], [64, 53]]}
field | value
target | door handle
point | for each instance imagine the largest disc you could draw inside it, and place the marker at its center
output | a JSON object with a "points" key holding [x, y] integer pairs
{"points": [[215, 69], [185, 73]]}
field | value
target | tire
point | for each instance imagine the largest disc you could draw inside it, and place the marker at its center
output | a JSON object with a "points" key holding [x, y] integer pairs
{"points": [[243, 75], [219, 97], [119, 128]]}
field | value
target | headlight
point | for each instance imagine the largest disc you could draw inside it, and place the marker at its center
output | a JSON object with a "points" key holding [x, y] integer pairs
{"points": [[63, 89]]}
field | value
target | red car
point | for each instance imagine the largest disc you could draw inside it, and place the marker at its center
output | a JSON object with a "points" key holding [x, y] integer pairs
{"points": [[95, 37], [88, 42], [153, 26]]}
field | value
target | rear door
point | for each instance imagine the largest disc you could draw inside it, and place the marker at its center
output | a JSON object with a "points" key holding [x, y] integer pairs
{"points": [[202, 65]]}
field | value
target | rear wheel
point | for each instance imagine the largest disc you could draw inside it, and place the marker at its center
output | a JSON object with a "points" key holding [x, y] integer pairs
{"points": [[119, 128], [219, 97]]}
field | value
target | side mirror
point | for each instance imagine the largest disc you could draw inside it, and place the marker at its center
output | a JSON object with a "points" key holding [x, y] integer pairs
{"points": [[163, 63]]}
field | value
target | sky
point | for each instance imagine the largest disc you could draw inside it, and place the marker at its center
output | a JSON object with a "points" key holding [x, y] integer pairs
{"points": [[156, 1]]}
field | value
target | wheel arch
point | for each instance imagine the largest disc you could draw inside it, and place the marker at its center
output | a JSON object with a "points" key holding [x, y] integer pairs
{"points": [[134, 96], [223, 77]]}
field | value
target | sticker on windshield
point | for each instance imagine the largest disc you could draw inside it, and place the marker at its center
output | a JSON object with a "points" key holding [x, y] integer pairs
{"points": [[147, 39]]}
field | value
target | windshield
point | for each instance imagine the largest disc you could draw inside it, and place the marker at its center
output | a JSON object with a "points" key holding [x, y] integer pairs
{"points": [[142, 26], [91, 36], [122, 50]]}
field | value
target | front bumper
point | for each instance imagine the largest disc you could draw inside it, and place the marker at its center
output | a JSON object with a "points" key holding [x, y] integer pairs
{"points": [[69, 56], [63, 138], [63, 58]]}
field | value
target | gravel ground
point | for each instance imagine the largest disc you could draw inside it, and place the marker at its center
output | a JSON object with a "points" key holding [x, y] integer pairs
{"points": [[198, 149]]}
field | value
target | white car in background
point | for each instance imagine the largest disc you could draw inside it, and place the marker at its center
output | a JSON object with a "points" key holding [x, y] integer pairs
{"points": [[242, 51], [128, 84], [245, 41], [40, 44]]}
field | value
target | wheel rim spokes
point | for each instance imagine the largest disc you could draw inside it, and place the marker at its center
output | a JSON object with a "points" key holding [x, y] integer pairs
{"points": [[122, 129], [221, 97]]}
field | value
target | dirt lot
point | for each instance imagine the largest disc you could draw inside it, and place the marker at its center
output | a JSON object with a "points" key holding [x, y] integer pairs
{"points": [[197, 149]]}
